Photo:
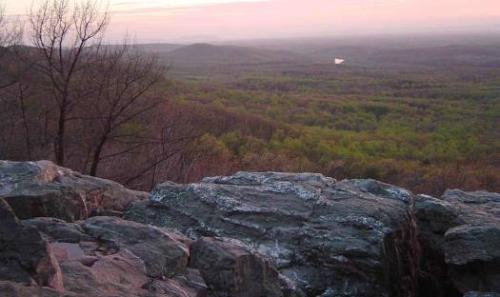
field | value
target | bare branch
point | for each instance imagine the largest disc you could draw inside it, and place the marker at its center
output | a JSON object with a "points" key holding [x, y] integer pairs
{"points": [[64, 33]]}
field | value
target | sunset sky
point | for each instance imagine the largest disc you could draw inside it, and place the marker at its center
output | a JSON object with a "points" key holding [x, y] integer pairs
{"points": [[212, 20]]}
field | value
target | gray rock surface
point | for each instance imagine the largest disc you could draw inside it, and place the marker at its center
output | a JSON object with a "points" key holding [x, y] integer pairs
{"points": [[251, 234], [43, 189], [231, 269], [460, 235], [109, 256], [328, 237], [162, 253]]}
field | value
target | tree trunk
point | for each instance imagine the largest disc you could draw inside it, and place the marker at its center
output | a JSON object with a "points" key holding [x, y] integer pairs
{"points": [[61, 130], [97, 157], [25, 124]]}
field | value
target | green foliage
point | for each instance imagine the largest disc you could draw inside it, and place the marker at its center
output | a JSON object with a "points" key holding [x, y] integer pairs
{"points": [[402, 128]]}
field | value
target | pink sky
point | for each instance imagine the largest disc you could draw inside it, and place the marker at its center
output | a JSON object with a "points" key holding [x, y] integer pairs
{"points": [[206, 20]]}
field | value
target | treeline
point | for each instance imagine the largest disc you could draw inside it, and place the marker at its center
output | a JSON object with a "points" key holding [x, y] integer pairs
{"points": [[423, 163]]}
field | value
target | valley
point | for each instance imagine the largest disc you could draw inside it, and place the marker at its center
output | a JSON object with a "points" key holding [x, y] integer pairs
{"points": [[422, 116]]}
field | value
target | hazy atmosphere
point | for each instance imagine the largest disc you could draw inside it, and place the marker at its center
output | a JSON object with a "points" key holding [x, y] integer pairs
{"points": [[250, 148], [212, 20]]}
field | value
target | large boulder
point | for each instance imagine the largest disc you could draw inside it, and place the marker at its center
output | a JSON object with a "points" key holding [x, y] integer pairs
{"points": [[347, 238], [460, 237], [43, 189]]}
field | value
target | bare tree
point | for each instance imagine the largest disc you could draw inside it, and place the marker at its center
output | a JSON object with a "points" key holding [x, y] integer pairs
{"points": [[122, 81], [64, 33]]}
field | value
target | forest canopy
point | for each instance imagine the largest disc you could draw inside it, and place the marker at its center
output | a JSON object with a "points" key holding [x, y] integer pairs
{"points": [[142, 114]]}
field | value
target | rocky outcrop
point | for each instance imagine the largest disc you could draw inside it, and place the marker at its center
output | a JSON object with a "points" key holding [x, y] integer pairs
{"points": [[250, 234], [330, 238], [99, 257], [344, 238], [108, 256], [42, 189], [460, 234]]}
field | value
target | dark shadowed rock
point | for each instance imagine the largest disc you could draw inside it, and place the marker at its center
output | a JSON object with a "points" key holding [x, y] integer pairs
{"points": [[231, 269], [328, 237], [13, 289], [473, 256], [42, 189], [472, 250], [482, 294], [25, 257], [58, 230], [435, 217], [469, 243], [460, 236]]}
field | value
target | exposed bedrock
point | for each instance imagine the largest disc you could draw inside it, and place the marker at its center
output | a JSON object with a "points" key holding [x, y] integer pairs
{"points": [[344, 238], [247, 235], [348, 238], [108, 256], [43, 189]]}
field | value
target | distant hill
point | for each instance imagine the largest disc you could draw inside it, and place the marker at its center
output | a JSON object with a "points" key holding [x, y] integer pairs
{"points": [[158, 48], [444, 56], [395, 51], [203, 54]]}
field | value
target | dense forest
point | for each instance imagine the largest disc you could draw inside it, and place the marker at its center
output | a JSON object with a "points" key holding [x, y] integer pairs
{"points": [[422, 116], [428, 130]]}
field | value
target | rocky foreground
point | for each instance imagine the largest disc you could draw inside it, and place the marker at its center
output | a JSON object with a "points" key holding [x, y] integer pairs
{"points": [[247, 235]]}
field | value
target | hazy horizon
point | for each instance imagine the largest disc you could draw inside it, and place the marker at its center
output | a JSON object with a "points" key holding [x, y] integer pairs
{"points": [[217, 20]]}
